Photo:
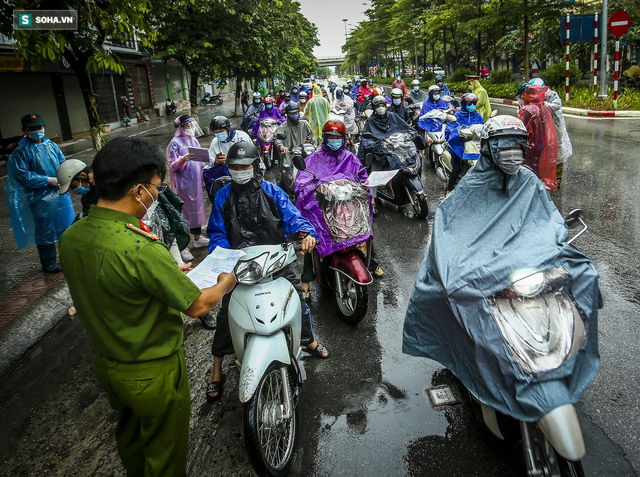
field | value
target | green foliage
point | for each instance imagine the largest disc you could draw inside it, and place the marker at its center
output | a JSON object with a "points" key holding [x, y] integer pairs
{"points": [[583, 98], [460, 74], [555, 76], [427, 76], [323, 72], [501, 77]]}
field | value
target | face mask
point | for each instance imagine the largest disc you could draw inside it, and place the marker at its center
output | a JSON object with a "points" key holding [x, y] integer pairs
{"points": [[80, 190], [397, 102], [334, 144], [303, 100], [398, 78], [256, 101], [436, 97], [190, 132], [241, 177], [381, 111], [416, 88], [509, 161], [151, 208], [358, 84], [295, 117], [471, 107], [223, 136], [269, 106], [294, 91], [439, 84], [36, 135], [521, 102]]}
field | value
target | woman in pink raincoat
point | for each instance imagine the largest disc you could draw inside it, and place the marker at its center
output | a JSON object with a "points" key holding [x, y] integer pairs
{"points": [[186, 178]]}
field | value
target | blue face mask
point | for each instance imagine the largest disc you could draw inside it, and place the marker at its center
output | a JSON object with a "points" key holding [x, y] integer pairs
{"points": [[81, 190], [334, 144], [256, 101], [36, 135], [269, 105], [223, 136], [295, 117], [471, 107], [397, 102]]}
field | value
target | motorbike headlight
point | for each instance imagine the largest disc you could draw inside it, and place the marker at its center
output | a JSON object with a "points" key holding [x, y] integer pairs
{"points": [[526, 283], [274, 267], [249, 272]]}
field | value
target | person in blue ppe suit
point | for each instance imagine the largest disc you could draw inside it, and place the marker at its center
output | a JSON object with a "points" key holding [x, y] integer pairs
{"points": [[434, 101], [444, 89], [39, 215], [295, 94], [251, 211], [460, 159]]}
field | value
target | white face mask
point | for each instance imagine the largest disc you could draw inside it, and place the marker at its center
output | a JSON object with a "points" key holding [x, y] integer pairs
{"points": [[436, 97], [381, 111], [190, 132], [509, 161], [521, 102], [241, 177], [151, 208]]}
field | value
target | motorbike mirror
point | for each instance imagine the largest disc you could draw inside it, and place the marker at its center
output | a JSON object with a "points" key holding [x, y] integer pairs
{"points": [[281, 136], [298, 161], [368, 159], [573, 218], [368, 135], [494, 113]]}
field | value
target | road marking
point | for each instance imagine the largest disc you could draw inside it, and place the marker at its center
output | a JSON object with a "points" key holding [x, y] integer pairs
{"points": [[79, 152], [147, 130], [567, 115]]}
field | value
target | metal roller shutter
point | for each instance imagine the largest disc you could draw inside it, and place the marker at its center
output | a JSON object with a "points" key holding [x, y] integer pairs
{"points": [[101, 84], [141, 87]]}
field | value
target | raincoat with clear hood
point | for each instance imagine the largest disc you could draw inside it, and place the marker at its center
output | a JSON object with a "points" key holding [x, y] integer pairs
{"points": [[542, 146], [349, 117], [484, 107], [186, 178], [39, 215], [317, 111], [483, 232], [554, 104]]}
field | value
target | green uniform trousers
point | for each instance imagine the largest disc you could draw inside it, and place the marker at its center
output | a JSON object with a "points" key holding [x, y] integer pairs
{"points": [[154, 404]]}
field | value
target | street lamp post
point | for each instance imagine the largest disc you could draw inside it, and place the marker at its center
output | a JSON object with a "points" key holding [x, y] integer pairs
{"points": [[345, 20], [603, 52]]}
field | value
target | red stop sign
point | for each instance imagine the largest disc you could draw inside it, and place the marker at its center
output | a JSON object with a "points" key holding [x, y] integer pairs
{"points": [[619, 23]]}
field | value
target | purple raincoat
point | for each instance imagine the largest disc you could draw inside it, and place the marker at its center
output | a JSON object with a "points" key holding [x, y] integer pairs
{"points": [[186, 178], [273, 113], [329, 166]]}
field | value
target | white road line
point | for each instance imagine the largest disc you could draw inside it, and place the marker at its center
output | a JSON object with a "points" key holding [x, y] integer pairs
{"points": [[79, 152], [147, 130]]}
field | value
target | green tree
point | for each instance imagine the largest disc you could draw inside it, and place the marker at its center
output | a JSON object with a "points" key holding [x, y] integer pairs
{"points": [[85, 48]]}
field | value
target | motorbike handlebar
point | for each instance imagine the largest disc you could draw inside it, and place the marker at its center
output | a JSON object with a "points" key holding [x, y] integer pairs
{"points": [[298, 245]]}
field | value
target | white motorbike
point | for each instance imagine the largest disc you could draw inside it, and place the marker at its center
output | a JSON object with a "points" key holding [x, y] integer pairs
{"points": [[265, 322], [436, 139]]}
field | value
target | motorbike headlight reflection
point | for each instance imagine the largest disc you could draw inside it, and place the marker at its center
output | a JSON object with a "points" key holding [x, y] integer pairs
{"points": [[249, 272], [274, 267], [530, 285], [542, 330]]}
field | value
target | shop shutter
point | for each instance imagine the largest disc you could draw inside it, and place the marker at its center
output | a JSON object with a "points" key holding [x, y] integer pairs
{"points": [[101, 84], [141, 87]]}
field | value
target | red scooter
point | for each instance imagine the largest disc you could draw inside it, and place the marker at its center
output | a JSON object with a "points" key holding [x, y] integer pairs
{"points": [[345, 206]]}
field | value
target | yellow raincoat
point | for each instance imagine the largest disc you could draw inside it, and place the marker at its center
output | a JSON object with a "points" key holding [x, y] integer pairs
{"points": [[317, 111], [484, 108]]}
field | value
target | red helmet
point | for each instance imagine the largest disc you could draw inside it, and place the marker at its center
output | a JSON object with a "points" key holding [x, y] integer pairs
{"points": [[334, 128], [269, 99]]}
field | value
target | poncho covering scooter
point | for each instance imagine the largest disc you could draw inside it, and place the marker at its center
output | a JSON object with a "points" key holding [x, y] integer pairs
{"points": [[480, 236]]}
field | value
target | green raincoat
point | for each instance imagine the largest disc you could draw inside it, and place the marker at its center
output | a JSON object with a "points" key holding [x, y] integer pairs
{"points": [[484, 107], [317, 111]]}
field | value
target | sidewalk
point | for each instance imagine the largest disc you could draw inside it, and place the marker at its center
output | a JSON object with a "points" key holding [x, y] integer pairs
{"points": [[33, 302], [578, 112]]}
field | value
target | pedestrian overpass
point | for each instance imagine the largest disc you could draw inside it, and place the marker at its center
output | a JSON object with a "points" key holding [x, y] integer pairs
{"points": [[330, 60]]}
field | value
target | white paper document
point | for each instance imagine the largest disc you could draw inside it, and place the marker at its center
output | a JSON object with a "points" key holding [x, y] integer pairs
{"points": [[221, 260], [378, 178], [201, 154]]}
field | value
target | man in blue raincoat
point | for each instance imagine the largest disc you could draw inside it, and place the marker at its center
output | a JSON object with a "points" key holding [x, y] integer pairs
{"points": [[39, 215], [434, 101]]}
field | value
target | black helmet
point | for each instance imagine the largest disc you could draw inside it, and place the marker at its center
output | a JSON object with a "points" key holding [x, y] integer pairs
{"points": [[292, 107], [242, 153], [220, 122]]}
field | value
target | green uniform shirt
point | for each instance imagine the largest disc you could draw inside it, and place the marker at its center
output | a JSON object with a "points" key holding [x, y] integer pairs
{"points": [[126, 286]]}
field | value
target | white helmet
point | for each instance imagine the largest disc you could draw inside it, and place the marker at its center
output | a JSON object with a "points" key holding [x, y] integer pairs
{"points": [[396, 92], [67, 171], [504, 126], [415, 82], [434, 88]]}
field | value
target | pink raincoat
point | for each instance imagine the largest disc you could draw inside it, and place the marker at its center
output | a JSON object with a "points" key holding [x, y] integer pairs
{"points": [[542, 145], [186, 178]]}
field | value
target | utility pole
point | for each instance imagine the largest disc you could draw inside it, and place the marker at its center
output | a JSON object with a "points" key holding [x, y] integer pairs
{"points": [[603, 50], [345, 20]]}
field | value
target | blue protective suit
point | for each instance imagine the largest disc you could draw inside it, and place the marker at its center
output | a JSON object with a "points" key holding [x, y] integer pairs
{"points": [[39, 215], [452, 133], [444, 90], [295, 97], [432, 125], [481, 235], [256, 213]]}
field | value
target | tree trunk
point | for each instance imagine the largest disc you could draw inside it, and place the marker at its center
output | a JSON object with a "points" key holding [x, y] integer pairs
{"points": [[401, 63], [238, 95], [526, 42], [193, 93], [424, 54], [78, 62]]}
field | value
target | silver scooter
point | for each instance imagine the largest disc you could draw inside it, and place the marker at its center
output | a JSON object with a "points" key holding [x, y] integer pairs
{"points": [[265, 322], [543, 328], [436, 139]]}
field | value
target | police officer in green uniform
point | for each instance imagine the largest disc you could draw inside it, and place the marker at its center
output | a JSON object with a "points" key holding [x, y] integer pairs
{"points": [[129, 293]]}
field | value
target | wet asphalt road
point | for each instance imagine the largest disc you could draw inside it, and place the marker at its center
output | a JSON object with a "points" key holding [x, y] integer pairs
{"points": [[364, 411]]}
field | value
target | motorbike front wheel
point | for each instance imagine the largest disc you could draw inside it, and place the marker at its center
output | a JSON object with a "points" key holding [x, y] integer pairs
{"points": [[353, 302], [420, 204], [269, 434], [547, 460], [203, 102], [217, 101]]}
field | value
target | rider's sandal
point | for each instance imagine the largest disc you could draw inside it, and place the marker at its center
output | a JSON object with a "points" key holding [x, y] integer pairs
{"points": [[216, 387], [318, 351], [378, 273], [306, 293]]}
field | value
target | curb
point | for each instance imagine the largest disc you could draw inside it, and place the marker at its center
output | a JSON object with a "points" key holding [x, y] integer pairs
{"points": [[580, 112]]}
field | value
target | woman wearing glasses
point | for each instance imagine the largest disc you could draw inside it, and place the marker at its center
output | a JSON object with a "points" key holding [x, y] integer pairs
{"points": [[186, 179], [461, 160]]}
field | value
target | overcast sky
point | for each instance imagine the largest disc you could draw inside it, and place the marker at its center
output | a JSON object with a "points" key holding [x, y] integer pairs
{"points": [[327, 16]]}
